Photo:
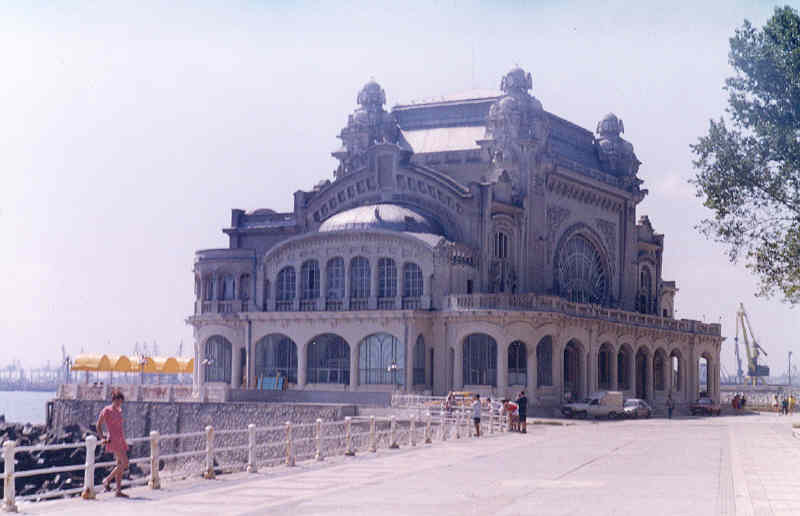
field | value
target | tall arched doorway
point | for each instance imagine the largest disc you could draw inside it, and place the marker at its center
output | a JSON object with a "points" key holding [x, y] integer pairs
{"points": [[604, 358], [218, 354], [276, 353], [480, 360], [573, 377], [328, 360]]}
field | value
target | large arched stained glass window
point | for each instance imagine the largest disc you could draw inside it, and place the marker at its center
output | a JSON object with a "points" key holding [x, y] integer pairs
{"points": [[387, 278], [517, 364], [480, 360], [580, 272], [217, 360], [309, 279], [275, 354], [328, 360], [381, 360]]}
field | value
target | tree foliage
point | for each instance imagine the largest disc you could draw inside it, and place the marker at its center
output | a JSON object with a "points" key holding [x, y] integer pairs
{"points": [[748, 167]]}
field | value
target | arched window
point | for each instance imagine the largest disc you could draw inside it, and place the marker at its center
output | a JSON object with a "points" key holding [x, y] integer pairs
{"points": [[544, 362], [480, 360], [381, 360], [580, 273], [334, 271], [645, 291], [208, 288], [604, 366], [517, 364], [275, 354], [309, 279], [419, 361], [328, 360], [244, 287], [359, 278], [676, 371], [387, 278], [285, 289], [218, 359], [226, 288], [412, 280], [501, 246]]}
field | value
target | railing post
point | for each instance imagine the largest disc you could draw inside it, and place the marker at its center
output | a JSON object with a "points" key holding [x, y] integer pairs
{"points": [[9, 501], [88, 474], [393, 433], [444, 425], [372, 444], [251, 448], [470, 424], [412, 430], [154, 482], [319, 455], [428, 429], [289, 450], [348, 437], [209, 471]]}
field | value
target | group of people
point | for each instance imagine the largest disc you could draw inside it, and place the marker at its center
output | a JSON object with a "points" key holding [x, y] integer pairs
{"points": [[786, 405], [517, 411], [739, 401]]}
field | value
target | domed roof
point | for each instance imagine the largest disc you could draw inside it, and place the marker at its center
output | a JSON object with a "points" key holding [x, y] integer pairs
{"points": [[389, 217]]}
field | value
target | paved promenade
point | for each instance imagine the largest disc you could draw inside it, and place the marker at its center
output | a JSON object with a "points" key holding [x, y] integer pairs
{"points": [[727, 465]]}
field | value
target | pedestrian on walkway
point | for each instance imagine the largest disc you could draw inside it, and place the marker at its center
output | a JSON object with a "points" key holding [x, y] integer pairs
{"points": [[115, 443], [670, 406], [785, 406], [476, 414], [522, 404]]}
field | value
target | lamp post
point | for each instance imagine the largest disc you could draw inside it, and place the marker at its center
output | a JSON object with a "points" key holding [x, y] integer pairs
{"points": [[393, 369]]}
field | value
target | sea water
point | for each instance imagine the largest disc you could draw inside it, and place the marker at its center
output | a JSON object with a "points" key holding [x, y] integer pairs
{"points": [[24, 406]]}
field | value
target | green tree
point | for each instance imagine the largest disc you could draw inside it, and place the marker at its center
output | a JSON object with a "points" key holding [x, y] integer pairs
{"points": [[748, 167]]}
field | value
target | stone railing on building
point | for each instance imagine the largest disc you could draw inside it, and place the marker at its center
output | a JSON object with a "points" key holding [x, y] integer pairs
{"points": [[132, 392], [315, 305], [540, 303]]}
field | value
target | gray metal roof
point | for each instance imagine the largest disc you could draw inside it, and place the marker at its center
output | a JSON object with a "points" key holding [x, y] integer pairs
{"points": [[382, 216]]}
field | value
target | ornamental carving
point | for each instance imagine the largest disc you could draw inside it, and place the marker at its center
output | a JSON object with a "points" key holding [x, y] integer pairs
{"points": [[556, 215], [368, 125]]}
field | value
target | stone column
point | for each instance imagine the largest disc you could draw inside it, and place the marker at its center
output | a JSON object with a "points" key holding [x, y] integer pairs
{"points": [[691, 375], [458, 362], [532, 368], [199, 353], [236, 366], [353, 366], [591, 370], [302, 365], [438, 369], [558, 365], [650, 390], [373, 287], [502, 369], [409, 359], [346, 297], [612, 370]]}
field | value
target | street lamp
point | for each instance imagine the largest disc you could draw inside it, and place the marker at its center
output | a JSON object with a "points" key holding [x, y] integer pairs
{"points": [[393, 369]]}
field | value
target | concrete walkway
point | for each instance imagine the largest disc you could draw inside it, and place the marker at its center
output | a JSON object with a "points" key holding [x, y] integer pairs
{"points": [[705, 466]]}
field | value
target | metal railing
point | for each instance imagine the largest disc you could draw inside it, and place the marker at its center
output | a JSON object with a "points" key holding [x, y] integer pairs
{"points": [[210, 452]]}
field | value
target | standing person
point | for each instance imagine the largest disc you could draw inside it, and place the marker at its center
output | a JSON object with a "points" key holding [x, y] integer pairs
{"points": [[670, 406], [743, 402], [115, 443], [785, 406], [522, 404], [476, 414]]}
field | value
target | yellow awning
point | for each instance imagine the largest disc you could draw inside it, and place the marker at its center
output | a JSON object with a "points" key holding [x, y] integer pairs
{"points": [[91, 363], [186, 364], [166, 365], [120, 363]]}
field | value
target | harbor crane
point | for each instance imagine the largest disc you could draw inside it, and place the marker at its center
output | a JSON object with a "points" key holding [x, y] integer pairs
{"points": [[755, 372]]}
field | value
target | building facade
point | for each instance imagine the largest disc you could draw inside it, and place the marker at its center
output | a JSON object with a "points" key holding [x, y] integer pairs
{"points": [[473, 242]]}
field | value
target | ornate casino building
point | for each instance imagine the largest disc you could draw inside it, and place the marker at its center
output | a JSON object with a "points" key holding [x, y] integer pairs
{"points": [[473, 242]]}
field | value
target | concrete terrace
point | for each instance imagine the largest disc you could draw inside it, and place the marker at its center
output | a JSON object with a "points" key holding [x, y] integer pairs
{"points": [[730, 465]]}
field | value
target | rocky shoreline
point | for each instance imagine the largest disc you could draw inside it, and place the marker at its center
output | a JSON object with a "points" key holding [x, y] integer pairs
{"points": [[32, 435]]}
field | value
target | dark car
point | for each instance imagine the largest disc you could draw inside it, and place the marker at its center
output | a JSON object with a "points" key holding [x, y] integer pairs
{"points": [[636, 408], [704, 407]]}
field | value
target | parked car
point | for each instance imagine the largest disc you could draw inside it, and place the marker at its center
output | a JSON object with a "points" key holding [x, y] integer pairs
{"points": [[705, 407], [636, 408], [599, 404]]}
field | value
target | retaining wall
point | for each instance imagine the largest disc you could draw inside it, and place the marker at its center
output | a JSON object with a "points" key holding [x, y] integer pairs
{"points": [[141, 417], [378, 399]]}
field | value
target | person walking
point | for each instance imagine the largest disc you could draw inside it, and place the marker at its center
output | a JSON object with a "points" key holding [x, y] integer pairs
{"points": [[111, 417], [670, 406], [522, 403], [476, 414], [785, 406]]}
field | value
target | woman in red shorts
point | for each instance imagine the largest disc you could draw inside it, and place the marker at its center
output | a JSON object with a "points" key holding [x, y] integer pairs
{"points": [[115, 443]]}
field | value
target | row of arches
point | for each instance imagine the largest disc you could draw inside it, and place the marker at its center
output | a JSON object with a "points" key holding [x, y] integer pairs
{"points": [[381, 359], [223, 287], [355, 280]]}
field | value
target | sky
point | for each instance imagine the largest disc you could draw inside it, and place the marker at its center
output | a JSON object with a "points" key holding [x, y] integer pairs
{"points": [[129, 131]]}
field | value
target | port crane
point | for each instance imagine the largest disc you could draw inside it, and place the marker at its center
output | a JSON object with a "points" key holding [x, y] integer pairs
{"points": [[755, 372]]}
